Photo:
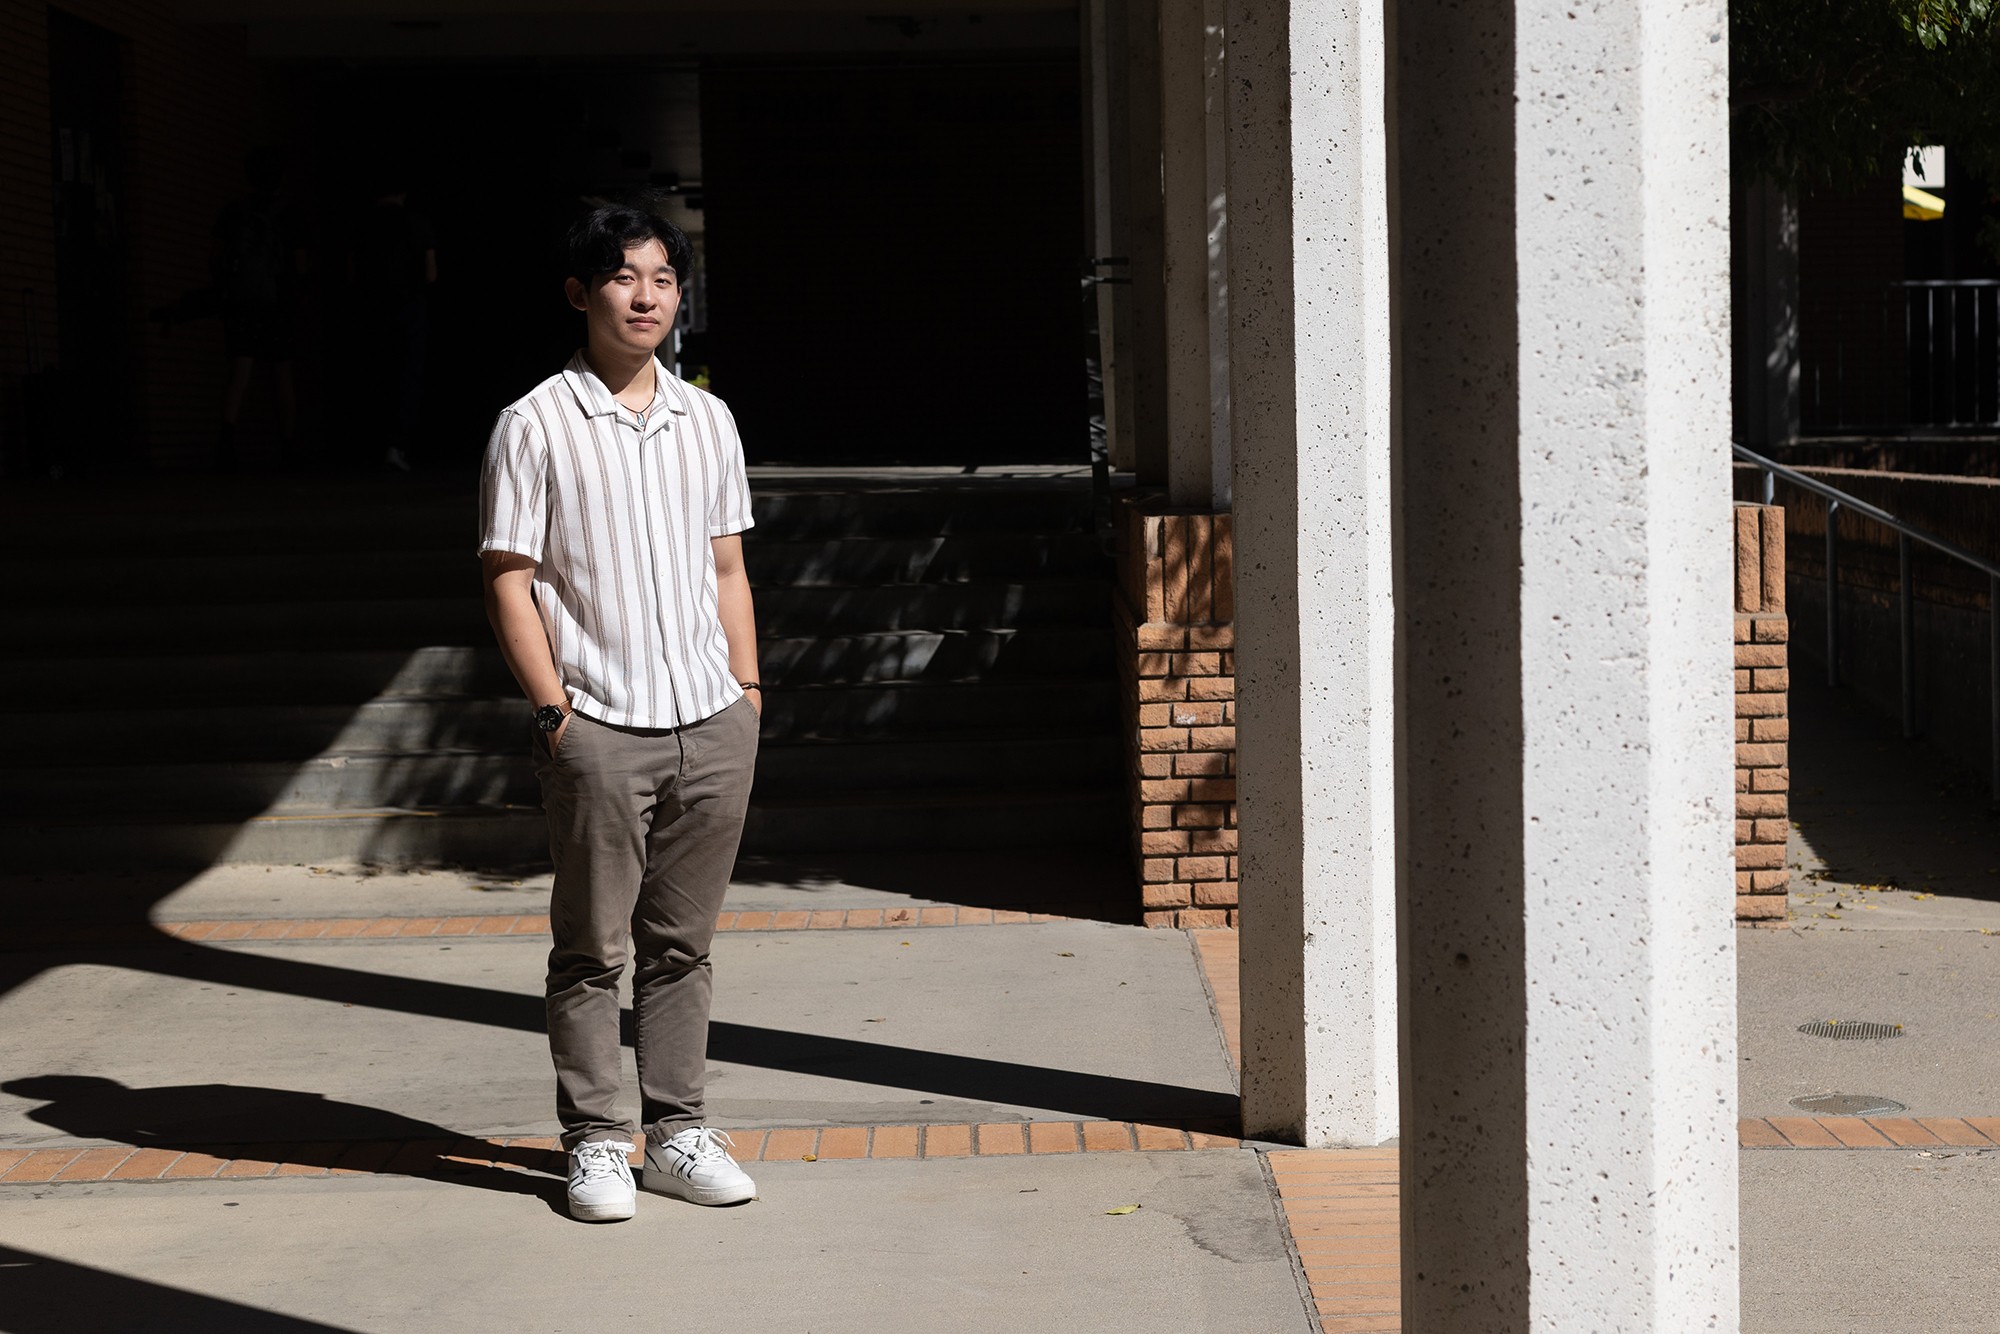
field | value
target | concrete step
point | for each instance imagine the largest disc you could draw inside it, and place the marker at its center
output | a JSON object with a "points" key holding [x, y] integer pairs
{"points": [[278, 676], [955, 655], [945, 559], [258, 516], [292, 576], [976, 605], [404, 726], [351, 675], [903, 510], [461, 778], [80, 629], [302, 626], [516, 836]]}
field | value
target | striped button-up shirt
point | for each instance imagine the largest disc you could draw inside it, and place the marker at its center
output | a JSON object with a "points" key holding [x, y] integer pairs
{"points": [[616, 508]]}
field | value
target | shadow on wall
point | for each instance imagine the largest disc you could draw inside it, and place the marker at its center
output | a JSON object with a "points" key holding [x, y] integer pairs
{"points": [[1950, 598], [220, 659], [210, 659], [1883, 811]]}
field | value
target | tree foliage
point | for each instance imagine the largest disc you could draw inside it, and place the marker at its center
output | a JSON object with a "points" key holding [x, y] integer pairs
{"points": [[1835, 92]]}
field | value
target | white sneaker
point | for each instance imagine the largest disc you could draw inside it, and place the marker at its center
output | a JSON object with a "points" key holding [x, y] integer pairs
{"points": [[600, 1181], [696, 1166]]}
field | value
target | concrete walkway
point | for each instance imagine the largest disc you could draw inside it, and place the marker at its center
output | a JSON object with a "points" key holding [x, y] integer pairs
{"points": [[267, 1070], [1895, 921], [303, 1098]]}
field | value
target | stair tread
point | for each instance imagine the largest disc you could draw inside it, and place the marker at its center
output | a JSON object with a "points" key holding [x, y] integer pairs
{"points": [[851, 798], [1011, 739], [939, 684]]}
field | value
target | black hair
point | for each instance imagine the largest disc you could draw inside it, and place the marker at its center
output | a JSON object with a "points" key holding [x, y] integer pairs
{"points": [[600, 238]]}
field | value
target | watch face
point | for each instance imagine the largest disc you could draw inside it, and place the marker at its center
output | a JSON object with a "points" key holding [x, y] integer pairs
{"points": [[548, 717]]}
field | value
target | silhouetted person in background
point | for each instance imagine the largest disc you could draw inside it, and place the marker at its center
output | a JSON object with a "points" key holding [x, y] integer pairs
{"points": [[394, 269], [258, 261]]}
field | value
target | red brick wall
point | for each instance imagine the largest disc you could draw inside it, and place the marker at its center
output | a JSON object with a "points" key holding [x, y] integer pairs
{"points": [[1763, 728], [1176, 651], [193, 105]]}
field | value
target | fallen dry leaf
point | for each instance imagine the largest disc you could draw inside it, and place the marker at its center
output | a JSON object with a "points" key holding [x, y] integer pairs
{"points": [[1124, 1209]]}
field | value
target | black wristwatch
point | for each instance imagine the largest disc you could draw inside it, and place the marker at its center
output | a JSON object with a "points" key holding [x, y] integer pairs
{"points": [[550, 717]]}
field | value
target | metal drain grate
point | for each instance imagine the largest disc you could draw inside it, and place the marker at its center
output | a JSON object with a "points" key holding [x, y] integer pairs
{"points": [[1850, 1030], [1848, 1104]]}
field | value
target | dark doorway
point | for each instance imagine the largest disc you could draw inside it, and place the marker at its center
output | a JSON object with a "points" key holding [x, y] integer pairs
{"points": [[498, 159], [893, 258], [93, 310]]}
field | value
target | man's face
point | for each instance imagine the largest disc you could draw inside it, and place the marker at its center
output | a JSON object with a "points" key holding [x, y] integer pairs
{"points": [[635, 307]]}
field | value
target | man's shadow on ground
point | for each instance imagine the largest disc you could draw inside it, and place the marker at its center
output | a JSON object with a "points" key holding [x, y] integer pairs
{"points": [[246, 1121]]}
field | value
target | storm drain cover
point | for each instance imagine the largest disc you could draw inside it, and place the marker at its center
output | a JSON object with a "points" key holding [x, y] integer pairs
{"points": [[1850, 1030], [1848, 1104]]}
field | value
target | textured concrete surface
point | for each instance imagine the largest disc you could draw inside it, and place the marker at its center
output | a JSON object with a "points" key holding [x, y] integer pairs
{"points": [[1888, 1243], [312, 1039], [1564, 721], [831, 1247], [423, 1039], [1942, 986]]}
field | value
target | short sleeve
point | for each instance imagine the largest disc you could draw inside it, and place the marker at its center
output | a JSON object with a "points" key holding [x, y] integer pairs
{"points": [[729, 508], [514, 489]]}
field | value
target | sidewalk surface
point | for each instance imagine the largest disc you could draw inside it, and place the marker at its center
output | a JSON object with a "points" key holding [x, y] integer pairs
{"points": [[1895, 921], [1048, 1072], [306, 1098]]}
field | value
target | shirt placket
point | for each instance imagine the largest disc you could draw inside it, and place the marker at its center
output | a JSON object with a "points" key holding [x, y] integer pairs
{"points": [[652, 480]]}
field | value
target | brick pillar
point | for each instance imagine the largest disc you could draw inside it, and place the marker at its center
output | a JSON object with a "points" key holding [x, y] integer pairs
{"points": [[1763, 731], [1176, 662]]}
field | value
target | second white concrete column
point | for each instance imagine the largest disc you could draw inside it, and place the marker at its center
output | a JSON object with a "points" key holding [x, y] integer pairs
{"points": [[1569, 1157], [1309, 403]]}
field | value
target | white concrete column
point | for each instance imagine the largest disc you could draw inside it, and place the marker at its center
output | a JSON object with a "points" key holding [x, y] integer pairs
{"points": [[1561, 242], [1309, 403], [1194, 223]]}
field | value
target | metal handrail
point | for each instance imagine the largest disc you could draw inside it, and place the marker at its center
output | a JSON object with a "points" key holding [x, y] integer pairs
{"points": [[1837, 500]]}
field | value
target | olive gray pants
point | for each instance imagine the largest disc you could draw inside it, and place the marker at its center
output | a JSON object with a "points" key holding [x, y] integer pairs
{"points": [[643, 829]]}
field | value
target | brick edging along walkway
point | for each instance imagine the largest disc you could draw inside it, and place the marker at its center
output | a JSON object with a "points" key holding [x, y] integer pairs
{"points": [[810, 1143], [540, 1154], [1869, 1132]]}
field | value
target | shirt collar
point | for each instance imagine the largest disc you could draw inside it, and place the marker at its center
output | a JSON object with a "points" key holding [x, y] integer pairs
{"points": [[594, 397]]}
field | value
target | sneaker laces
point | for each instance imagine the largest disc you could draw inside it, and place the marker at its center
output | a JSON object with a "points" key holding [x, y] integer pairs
{"points": [[596, 1159], [703, 1144]]}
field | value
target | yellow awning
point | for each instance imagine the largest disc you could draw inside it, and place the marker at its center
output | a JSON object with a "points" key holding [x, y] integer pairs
{"points": [[1921, 205]]}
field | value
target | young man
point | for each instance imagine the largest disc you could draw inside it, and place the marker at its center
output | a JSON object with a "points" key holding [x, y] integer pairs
{"points": [[612, 501]]}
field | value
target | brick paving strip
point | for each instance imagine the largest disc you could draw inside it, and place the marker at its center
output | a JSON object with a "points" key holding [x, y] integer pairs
{"points": [[1342, 1207], [1869, 1132], [540, 1154]]}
